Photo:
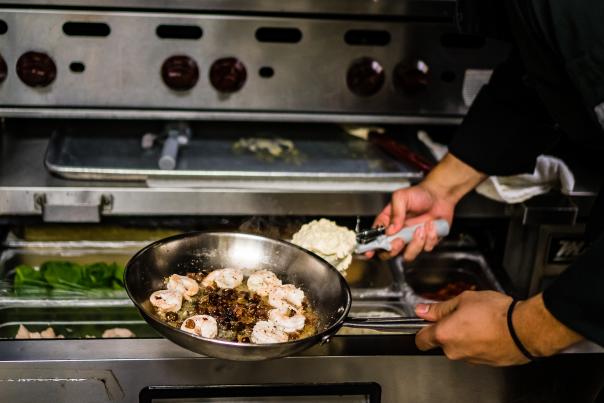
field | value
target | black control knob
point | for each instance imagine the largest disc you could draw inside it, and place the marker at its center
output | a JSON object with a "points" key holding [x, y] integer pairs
{"points": [[36, 69], [365, 77], [411, 78], [3, 69], [228, 74], [180, 73]]}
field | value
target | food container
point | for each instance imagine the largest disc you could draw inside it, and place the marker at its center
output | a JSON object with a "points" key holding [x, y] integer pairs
{"points": [[374, 279], [34, 254], [72, 322], [439, 276]]}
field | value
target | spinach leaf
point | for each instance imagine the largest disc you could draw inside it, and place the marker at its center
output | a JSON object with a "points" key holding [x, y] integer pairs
{"points": [[98, 275], [118, 275], [63, 274], [28, 276]]}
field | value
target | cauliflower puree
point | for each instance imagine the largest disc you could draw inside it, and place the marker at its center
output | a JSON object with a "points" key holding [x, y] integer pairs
{"points": [[328, 240]]}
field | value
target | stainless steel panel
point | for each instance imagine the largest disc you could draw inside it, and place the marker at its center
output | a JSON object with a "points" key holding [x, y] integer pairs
{"points": [[76, 385], [443, 9], [122, 69], [405, 377]]}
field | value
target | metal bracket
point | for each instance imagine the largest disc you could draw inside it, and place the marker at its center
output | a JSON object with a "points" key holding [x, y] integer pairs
{"points": [[73, 207]]}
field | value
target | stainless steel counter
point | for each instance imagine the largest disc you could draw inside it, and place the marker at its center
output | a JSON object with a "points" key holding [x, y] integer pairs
{"points": [[117, 370]]}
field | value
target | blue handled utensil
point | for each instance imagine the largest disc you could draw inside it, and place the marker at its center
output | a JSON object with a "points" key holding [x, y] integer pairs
{"points": [[376, 239]]}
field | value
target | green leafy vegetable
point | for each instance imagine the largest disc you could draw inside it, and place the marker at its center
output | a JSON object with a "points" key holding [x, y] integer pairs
{"points": [[118, 277], [98, 275], [62, 274], [69, 276], [28, 276]]}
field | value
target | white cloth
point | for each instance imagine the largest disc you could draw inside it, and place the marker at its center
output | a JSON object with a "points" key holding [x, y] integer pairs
{"points": [[550, 173]]}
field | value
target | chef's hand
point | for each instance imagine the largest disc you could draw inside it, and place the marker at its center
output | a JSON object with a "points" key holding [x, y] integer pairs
{"points": [[435, 197], [473, 327], [414, 205]]}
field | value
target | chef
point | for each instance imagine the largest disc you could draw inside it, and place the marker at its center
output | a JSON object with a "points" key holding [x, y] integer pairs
{"points": [[550, 90]]}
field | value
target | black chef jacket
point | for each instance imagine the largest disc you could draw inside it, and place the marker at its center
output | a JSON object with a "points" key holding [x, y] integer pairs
{"points": [[551, 87]]}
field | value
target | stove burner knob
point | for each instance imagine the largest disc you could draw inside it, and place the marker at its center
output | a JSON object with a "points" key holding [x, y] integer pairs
{"points": [[228, 75], [36, 69], [365, 77], [180, 73], [411, 78], [3, 69]]}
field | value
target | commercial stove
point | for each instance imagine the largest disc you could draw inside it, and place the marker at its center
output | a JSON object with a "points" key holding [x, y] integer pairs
{"points": [[124, 122]]}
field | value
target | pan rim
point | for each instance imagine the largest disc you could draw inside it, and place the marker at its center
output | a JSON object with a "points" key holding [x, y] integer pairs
{"points": [[334, 327]]}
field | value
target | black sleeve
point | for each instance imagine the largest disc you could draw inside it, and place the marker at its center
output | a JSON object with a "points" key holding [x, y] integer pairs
{"points": [[576, 298], [507, 126], [487, 18]]}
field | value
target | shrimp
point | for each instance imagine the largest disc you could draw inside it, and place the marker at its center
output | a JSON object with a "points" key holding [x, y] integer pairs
{"points": [[184, 285], [201, 325], [285, 297], [224, 278], [288, 322], [262, 282], [265, 332], [166, 300]]}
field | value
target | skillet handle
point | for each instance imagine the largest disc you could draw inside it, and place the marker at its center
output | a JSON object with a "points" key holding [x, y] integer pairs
{"points": [[408, 325]]}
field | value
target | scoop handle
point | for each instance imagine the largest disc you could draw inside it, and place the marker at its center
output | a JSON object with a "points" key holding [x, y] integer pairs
{"points": [[406, 234]]}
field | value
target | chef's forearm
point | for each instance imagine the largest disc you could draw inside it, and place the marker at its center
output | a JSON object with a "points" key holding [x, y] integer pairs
{"points": [[539, 331], [451, 179]]}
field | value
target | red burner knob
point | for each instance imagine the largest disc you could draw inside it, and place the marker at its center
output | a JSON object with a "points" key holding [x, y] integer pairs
{"points": [[411, 78], [36, 69], [228, 74], [180, 73], [365, 77], [3, 69]]}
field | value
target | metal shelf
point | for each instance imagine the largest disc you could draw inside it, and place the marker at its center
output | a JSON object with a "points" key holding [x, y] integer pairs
{"points": [[23, 179]]}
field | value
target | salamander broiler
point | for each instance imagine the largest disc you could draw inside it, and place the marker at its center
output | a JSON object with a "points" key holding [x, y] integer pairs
{"points": [[126, 121]]}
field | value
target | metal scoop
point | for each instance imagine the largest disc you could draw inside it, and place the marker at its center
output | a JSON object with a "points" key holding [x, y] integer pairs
{"points": [[376, 238]]}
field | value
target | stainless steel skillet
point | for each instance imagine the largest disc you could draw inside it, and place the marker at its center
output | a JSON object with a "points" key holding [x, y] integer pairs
{"points": [[325, 288]]}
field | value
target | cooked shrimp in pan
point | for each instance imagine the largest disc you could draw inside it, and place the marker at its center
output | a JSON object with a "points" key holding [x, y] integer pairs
{"points": [[201, 325], [223, 278], [288, 322], [285, 297], [166, 300], [265, 332], [184, 285], [262, 282], [228, 305]]}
